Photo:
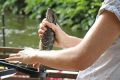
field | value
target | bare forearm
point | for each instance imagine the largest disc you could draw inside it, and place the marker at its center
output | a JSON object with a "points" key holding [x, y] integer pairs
{"points": [[71, 41], [61, 59]]}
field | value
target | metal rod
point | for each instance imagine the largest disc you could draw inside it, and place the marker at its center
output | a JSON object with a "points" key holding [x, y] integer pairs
{"points": [[3, 29], [10, 49]]}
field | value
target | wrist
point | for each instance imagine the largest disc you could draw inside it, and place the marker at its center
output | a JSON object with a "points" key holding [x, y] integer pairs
{"points": [[71, 41], [66, 41]]}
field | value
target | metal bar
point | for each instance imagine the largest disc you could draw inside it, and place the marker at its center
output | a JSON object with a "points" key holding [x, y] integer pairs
{"points": [[3, 29], [7, 73], [10, 49], [61, 74], [50, 74]]}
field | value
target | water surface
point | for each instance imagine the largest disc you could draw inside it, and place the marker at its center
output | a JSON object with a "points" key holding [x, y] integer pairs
{"points": [[22, 32]]}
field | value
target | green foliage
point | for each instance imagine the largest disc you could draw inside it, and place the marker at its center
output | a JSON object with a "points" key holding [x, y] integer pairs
{"points": [[13, 6], [77, 14]]}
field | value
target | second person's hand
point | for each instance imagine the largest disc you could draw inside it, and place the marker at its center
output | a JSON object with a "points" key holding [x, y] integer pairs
{"points": [[27, 56]]}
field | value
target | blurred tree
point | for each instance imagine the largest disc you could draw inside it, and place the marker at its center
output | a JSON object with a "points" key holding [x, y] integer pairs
{"points": [[77, 14]]}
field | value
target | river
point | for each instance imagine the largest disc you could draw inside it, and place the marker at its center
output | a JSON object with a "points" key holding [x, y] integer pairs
{"points": [[21, 32]]}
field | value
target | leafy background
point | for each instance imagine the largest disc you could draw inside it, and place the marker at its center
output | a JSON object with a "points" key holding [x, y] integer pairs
{"points": [[76, 14]]}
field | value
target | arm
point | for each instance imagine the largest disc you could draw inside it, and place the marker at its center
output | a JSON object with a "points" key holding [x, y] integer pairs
{"points": [[101, 35], [71, 41]]}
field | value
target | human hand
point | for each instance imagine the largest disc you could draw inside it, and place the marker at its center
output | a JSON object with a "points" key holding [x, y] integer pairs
{"points": [[60, 35], [27, 56], [37, 66]]}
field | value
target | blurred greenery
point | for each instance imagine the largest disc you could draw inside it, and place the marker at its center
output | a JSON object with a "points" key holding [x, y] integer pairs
{"points": [[77, 14]]}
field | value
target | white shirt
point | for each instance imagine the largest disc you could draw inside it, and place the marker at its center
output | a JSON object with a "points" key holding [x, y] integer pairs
{"points": [[107, 67]]}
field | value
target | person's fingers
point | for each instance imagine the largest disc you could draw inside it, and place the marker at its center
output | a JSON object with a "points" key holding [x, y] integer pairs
{"points": [[40, 31], [50, 25], [40, 35], [37, 65], [11, 55], [18, 62], [38, 69], [44, 20], [13, 59], [46, 24], [42, 26]]}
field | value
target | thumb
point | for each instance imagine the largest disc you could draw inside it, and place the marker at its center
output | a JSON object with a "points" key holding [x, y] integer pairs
{"points": [[51, 25]]}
